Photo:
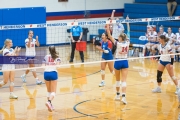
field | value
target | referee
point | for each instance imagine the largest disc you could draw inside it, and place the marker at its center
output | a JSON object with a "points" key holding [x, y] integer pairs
{"points": [[76, 33]]}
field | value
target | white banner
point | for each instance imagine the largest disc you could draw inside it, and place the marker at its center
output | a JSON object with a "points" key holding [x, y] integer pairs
{"points": [[44, 25]]}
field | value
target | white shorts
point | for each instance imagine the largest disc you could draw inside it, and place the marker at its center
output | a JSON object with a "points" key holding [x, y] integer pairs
{"points": [[8, 67]]}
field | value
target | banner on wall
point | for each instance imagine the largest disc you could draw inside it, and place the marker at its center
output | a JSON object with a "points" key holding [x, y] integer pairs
{"points": [[103, 22]]}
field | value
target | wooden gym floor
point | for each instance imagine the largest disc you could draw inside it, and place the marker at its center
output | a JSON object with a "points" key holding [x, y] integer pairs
{"points": [[78, 96]]}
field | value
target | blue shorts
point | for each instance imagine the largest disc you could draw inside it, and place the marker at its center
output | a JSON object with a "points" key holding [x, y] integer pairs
{"points": [[164, 63], [50, 76], [121, 64]]}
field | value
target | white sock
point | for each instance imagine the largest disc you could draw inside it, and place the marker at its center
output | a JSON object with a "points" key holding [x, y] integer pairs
{"points": [[11, 93], [24, 75], [2, 83], [103, 81], [37, 79]]}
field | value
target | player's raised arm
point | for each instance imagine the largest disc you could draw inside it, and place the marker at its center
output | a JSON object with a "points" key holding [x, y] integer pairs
{"points": [[37, 41], [109, 34]]}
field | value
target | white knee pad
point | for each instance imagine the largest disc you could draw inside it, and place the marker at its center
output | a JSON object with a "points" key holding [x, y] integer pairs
{"points": [[178, 49], [53, 94], [102, 72], [33, 70], [173, 78], [48, 94], [118, 83], [11, 84], [123, 84]]}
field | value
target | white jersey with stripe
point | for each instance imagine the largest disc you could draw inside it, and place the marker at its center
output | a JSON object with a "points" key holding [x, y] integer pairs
{"points": [[170, 36], [5, 53], [164, 50], [177, 37], [121, 47], [117, 30], [30, 51], [48, 61], [152, 35]]}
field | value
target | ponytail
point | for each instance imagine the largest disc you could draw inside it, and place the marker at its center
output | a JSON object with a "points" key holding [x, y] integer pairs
{"points": [[1, 51]]}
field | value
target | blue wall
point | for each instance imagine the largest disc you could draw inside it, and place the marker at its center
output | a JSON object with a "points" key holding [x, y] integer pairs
{"points": [[19, 16]]}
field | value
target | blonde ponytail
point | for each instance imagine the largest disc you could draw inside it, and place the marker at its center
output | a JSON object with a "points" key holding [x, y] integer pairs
{"points": [[5, 44]]}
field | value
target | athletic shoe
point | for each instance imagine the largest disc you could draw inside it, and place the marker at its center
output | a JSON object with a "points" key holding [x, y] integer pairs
{"points": [[49, 106], [117, 98], [38, 82], [102, 84], [124, 100], [71, 61], [156, 90], [177, 90], [23, 78], [13, 96]]}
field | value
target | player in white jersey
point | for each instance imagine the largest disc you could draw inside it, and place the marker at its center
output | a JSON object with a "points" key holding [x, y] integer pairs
{"points": [[156, 46], [121, 66], [166, 61], [30, 44], [118, 28], [152, 38], [8, 69], [51, 75], [177, 43]]}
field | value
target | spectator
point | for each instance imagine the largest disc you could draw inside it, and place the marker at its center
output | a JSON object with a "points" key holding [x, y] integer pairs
{"points": [[76, 33], [169, 5]]}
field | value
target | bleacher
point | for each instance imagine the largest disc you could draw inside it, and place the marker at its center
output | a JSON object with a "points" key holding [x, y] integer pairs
{"points": [[148, 9]]}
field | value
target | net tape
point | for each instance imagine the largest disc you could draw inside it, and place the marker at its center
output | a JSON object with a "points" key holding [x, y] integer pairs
{"points": [[57, 24]]}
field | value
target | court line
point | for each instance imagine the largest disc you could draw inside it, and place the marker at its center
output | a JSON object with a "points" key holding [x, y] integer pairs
{"points": [[92, 115]]}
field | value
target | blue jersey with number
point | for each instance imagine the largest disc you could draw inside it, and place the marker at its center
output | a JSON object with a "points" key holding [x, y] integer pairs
{"points": [[107, 46]]}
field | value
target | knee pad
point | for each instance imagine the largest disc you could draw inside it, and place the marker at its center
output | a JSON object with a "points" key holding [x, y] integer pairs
{"points": [[11, 84], [53, 94], [48, 94], [102, 72], [33, 70], [118, 83], [159, 75], [173, 78], [123, 84]]}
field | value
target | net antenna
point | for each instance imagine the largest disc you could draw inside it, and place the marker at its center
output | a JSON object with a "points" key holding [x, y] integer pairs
{"points": [[87, 13]]}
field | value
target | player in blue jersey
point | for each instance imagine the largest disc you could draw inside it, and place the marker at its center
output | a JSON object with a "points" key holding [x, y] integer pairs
{"points": [[106, 48]]}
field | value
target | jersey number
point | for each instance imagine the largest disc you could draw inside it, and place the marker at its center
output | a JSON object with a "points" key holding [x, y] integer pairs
{"points": [[124, 49], [32, 45]]}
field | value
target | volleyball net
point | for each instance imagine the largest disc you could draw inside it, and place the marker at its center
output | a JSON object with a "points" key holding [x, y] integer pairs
{"points": [[58, 34]]}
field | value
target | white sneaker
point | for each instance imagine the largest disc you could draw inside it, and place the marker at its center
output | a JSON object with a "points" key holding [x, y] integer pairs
{"points": [[117, 98], [124, 100], [102, 84], [38, 82], [23, 78], [177, 90], [156, 90], [13, 96], [49, 106]]}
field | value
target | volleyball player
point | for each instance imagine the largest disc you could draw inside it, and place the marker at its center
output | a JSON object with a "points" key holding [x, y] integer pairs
{"points": [[30, 43], [106, 48], [121, 64], [166, 61], [118, 28], [156, 45], [51, 75], [8, 73]]}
